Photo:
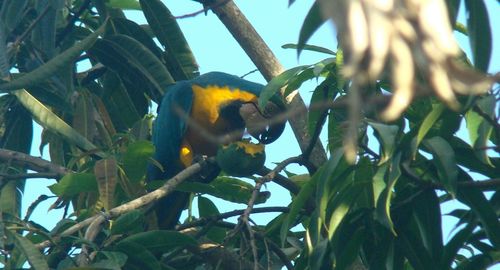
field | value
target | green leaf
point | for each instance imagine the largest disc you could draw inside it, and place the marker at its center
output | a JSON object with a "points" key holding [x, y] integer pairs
{"points": [[312, 48], [136, 158], [314, 19], [479, 128], [383, 210], [319, 96], [466, 156], [386, 135], [458, 241], [125, 52], [341, 205], [207, 208], [73, 184], [11, 13], [128, 222], [132, 29], [159, 242], [180, 59], [337, 127], [317, 255], [414, 250], [427, 213], [480, 39], [444, 160], [476, 200], [427, 124], [35, 258], [48, 69], [49, 120], [138, 256], [124, 4], [276, 84], [351, 249]]}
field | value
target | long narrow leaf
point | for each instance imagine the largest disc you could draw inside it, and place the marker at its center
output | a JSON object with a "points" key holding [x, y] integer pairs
{"points": [[52, 66], [35, 258]]}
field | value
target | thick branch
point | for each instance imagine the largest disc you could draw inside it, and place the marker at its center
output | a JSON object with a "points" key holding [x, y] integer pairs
{"points": [[270, 67], [32, 163]]}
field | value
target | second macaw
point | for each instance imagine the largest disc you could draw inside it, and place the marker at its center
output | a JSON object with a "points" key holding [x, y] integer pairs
{"points": [[219, 103]]}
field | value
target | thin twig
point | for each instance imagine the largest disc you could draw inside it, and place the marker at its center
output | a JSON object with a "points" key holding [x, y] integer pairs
{"points": [[71, 22]]}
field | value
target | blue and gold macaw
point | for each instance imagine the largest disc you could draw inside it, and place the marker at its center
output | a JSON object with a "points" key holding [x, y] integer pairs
{"points": [[220, 103]]}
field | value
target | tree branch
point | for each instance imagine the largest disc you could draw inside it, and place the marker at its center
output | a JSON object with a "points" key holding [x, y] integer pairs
{"points": [[32, 163]]}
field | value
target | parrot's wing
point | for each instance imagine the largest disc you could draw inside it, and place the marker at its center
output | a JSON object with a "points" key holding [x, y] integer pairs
{"points": [[169, 129]]}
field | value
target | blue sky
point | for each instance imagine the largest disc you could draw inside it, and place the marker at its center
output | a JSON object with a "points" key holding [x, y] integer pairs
{"points": [[216, 50]]}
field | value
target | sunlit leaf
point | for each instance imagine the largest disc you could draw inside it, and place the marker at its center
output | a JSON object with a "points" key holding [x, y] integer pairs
{"points": [[383, 210], [386, 135], [428, 123], [276, 84], [479, 128]]}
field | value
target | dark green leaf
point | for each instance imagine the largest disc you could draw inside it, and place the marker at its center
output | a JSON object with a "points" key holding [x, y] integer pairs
{"points": [[428, 218], [11, 13], [312, 22], [351, 249], [415, 251], [312, 48], [476, 200], [132, 29], [455, 244], [386, 135], [128, 222], [383, 211], [73, 184], [138, 256], [444, 159], [207, 208], [180, 59], [124, 4], [427, 124], [478, 26], [47, 70]]}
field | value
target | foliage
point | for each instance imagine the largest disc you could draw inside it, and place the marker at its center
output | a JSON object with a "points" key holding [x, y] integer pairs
{"points": [[88, 76]]}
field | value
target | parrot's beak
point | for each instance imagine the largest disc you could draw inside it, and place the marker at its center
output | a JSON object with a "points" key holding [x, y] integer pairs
{"points": [[259, 124]]}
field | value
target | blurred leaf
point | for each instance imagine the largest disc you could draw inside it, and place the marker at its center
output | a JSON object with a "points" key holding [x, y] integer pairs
{"points": [[351, 249], [43, 36], [26, 247], [276, 84], [319, 96], [342, 203], [159, 242], [479, 128], [136, 159], [317, 254], [207, 208], [180, 59], [106, 173], [383, 210], [73, 184], [453, 7], [478, 26], [312, 48], [128, 223], [386, 135], [311, 24], [47, 119], [48, 69], [444, 160], [337, 127]]}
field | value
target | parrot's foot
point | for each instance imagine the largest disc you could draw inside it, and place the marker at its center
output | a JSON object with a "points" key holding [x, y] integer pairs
{"points": [[209, 168]]}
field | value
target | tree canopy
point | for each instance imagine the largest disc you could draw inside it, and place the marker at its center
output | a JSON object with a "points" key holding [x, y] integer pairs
{"points": [[393, 99]]}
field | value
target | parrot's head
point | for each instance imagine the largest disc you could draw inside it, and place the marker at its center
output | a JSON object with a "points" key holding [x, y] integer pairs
{"points": [[263, 124], [244, 111]]}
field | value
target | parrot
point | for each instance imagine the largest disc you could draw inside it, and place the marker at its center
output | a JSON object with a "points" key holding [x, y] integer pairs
{"points": [[219, 103]]}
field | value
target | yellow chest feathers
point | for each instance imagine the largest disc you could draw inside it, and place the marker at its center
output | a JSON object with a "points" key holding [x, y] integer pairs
{"points": [[207, 101]]}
